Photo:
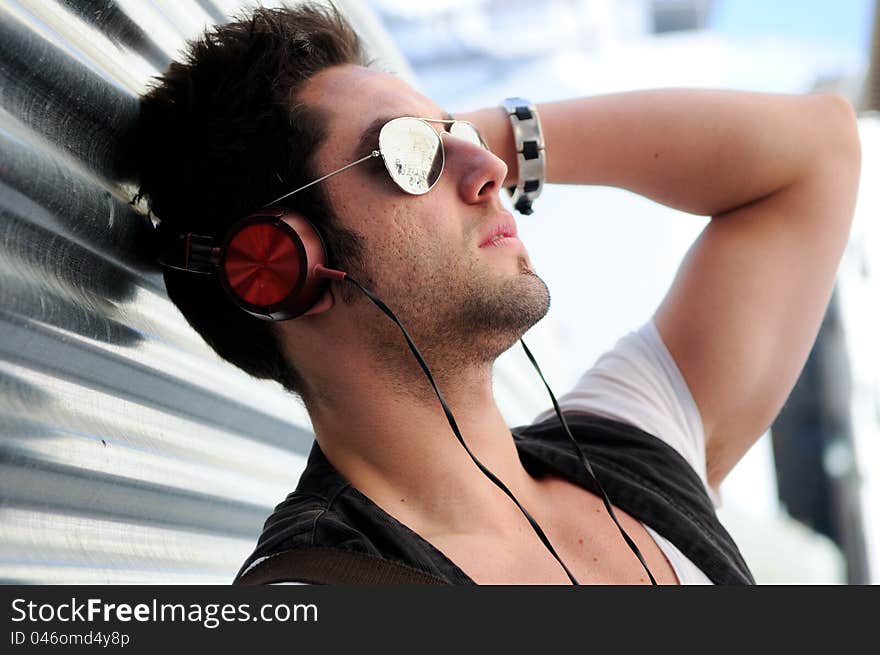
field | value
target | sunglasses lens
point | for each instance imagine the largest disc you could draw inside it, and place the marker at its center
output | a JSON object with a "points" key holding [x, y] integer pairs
{"points": [[466, 131], [412, 153]]}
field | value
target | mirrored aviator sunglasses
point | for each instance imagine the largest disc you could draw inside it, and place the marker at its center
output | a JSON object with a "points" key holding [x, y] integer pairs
{"points": [[412, 151]]}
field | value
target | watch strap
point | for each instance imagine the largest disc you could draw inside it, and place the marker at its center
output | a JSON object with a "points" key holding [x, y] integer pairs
{"points": [[530, 153]]}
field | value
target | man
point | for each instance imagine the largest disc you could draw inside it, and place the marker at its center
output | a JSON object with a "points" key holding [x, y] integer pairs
{"points": [[706, 375]]}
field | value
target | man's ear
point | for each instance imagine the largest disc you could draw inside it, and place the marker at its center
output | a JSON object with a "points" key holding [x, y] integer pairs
{"points": [[324, 303]]}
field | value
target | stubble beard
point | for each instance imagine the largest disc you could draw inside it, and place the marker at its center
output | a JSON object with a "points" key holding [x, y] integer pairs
{"points": [[460, 319], [494, 313]]}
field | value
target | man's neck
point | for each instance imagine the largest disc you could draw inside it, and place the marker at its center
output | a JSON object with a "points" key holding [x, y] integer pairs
{"points": [[400, 451]]}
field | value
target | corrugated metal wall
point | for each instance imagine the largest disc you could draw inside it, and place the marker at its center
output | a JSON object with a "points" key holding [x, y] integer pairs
{"points": [[129, 452]]}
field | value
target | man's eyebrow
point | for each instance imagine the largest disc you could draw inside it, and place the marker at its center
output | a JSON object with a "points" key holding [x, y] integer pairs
{"points": [[369, 139]]}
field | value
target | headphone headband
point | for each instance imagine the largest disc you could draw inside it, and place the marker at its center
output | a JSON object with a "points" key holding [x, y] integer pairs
{"points": [[191, 252]]}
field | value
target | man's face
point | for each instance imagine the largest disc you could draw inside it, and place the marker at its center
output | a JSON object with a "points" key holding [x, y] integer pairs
{"points": [[423, 255]]}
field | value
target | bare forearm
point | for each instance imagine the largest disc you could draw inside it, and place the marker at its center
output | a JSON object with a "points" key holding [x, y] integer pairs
{"points": [[702, 151]]}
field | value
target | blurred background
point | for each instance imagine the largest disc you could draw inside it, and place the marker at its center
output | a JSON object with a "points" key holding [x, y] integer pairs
{"points": [[130, 453]]}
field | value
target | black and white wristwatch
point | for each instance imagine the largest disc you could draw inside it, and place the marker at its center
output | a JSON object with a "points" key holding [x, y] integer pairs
{"points": [[530, 153]]}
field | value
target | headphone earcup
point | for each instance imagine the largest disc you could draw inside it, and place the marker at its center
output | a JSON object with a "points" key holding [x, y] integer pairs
{"points": [[269, 265]]}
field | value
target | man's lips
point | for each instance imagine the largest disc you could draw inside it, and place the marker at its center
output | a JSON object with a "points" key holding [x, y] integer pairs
{"points": [[503, 228]]}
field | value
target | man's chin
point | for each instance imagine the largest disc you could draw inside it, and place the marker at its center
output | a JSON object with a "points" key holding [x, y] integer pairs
{"points": [[506, 312]]}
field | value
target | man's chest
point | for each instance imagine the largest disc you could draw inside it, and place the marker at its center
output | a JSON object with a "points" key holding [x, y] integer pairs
{"points": [[582, 534]]}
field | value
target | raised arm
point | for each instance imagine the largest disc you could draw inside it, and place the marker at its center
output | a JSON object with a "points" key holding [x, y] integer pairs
{"points": [[779, 176]]}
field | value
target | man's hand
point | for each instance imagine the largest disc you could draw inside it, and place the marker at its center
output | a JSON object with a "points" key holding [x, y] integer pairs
{"points": [[779, 176]]}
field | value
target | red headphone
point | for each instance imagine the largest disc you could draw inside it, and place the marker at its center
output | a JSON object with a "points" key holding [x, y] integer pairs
{"points": [[271, 263]]}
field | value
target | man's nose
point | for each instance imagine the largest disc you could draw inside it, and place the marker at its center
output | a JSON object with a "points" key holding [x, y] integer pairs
{"points": [[479, 174]]}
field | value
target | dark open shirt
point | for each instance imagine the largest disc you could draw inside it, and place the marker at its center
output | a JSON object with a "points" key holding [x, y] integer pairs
{"points": [[641, 474]]}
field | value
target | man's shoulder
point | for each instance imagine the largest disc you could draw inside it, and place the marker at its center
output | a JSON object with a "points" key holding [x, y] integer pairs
{"points": [[638, 382], [603, 436], [310, 519], [323, 510], [621, 450]]}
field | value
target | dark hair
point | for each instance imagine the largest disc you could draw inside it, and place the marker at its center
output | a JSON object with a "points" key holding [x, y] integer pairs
{"points": [[219, 134]]}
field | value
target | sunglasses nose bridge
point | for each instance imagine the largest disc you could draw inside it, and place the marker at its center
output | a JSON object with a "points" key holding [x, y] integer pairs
{"points": [[461, 145]]}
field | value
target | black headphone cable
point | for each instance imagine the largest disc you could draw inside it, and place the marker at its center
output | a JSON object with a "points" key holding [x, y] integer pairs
{"points": [[586, 463]]}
